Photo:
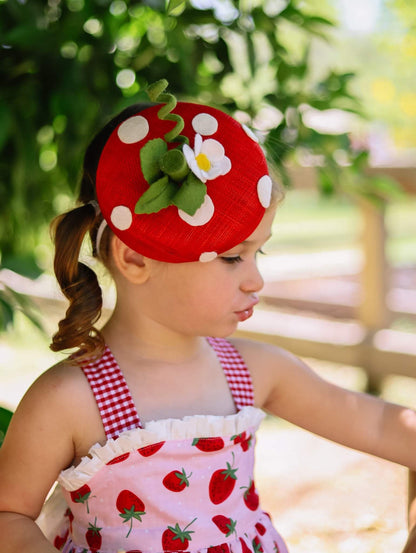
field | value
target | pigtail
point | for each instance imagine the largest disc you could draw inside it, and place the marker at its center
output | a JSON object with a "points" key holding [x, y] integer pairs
{"points": [[79, 284]]}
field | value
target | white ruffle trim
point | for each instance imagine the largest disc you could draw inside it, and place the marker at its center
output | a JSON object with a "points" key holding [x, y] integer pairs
{"points": [[206, 426]]}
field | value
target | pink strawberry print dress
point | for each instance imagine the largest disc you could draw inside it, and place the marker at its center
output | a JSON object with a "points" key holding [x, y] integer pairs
{"points": [[169, 486]]}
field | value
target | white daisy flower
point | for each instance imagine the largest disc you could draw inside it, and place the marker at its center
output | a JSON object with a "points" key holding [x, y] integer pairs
{"points": [[208, 160]]}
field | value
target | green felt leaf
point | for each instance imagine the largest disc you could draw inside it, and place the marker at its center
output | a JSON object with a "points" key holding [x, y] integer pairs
{"points": [[190, 195], [158, 196], [150, 155]]}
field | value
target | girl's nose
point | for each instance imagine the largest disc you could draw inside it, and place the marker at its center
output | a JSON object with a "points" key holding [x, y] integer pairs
{"points": [[253, 281]]}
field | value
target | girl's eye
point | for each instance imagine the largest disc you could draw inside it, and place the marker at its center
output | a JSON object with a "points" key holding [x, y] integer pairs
{"points": [[235, 259]]}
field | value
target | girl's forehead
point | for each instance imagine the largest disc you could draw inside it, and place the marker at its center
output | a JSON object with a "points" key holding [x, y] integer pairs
{"points": [[224, 173]]}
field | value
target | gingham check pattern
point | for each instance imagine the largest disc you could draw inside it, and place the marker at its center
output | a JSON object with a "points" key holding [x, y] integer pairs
{"points": [[112, 395], [114, 399], [236, 372]]}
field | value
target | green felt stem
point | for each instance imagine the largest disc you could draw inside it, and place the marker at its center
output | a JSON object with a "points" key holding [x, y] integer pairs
{"points": [[173, 163]]}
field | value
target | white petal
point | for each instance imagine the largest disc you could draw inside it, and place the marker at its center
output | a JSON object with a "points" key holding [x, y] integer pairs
{"points": [[197, 144], [188, 153], [205, 124], [213, 149], [121, 217], [207, 256], [133, 129], [201, 216], [264, 190]]}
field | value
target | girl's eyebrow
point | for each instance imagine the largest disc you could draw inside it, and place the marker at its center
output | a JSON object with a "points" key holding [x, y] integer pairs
{"points": [[252, 241]]}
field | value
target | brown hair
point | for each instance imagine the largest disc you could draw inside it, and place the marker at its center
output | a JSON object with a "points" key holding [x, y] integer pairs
{"points": [[79, 282]]}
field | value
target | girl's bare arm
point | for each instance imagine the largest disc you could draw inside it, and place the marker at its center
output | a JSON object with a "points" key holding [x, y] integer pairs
{"points": [[288, 388], [37, 446]]}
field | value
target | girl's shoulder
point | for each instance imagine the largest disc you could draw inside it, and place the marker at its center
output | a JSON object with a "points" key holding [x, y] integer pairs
{"points": [[271, 368]]}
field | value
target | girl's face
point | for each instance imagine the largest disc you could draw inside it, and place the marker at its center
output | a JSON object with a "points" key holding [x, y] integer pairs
{"points": [[208, 299]]}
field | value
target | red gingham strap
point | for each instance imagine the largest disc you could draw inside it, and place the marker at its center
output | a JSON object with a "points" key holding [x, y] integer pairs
{"points": [[112, 395], [235, 370]]}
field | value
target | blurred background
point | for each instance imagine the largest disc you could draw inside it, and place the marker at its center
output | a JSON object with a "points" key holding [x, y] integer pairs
{"points": [[328, 87]]}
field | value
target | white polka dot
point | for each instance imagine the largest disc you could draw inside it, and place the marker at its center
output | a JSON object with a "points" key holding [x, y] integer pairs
{"points": [[121, 217], [250, 133], [201, 215], [264, 190], [133, 129], [205, 124], [207, 256]]}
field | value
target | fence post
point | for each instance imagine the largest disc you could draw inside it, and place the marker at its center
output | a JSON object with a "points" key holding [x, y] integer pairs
{"points": [[373, 312]]}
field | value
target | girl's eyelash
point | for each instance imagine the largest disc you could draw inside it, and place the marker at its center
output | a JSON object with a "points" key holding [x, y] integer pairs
{"points": [[235, 259], [238, 258]]}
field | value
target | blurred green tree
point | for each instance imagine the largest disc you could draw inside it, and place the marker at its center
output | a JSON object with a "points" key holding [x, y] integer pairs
{"points": [[66, 66]]}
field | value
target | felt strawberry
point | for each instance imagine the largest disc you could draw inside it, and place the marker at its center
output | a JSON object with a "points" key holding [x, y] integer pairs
{"points": [[208, 444], [119, 459], [93, 537], [222, 483], [222, 548], [82, 495], [260, 528], [244, 547], [176, 481], [251, 498], [225, 524], [151, 449], [257, 545], [175, 539], [243, 440], [131, 507]]}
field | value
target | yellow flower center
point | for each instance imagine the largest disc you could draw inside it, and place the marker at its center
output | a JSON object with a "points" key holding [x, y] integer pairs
{"points": [[203, 162]]}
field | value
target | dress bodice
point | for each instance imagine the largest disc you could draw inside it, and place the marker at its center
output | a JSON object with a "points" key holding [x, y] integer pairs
{"points": [[168, 485]]}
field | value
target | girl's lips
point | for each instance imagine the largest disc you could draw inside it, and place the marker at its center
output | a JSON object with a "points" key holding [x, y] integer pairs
{"points": [[247, 313], [244, 315]]}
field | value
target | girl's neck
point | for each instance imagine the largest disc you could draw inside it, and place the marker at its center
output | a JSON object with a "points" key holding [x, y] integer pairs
{"points": [[150, 341]]}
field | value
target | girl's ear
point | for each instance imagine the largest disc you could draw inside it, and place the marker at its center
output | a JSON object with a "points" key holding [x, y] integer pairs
{"points": [[132, 265]]}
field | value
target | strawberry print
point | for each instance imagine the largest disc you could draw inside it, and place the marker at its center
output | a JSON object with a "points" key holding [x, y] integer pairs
{"points": [[131, 507], [225, 524], [251, 498], [243, 440], [176, 481], [82, 495], [93, 537], [151, 449], [276, 547], [68, 513], [119, 459], [222, 483], [244, 547], [59, 541], [175, 539], [208, 444], [222, 548], [257, 545], [260, 528]]}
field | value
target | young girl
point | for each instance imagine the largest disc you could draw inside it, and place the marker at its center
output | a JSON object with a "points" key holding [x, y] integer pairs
{"points": [[149, 427]]}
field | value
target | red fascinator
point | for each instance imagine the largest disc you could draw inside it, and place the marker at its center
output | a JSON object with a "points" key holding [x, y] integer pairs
{"points": [[182, 182]]}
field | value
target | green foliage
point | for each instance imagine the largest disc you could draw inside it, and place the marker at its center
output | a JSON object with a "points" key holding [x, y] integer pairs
{"points": [[67, 66]]}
